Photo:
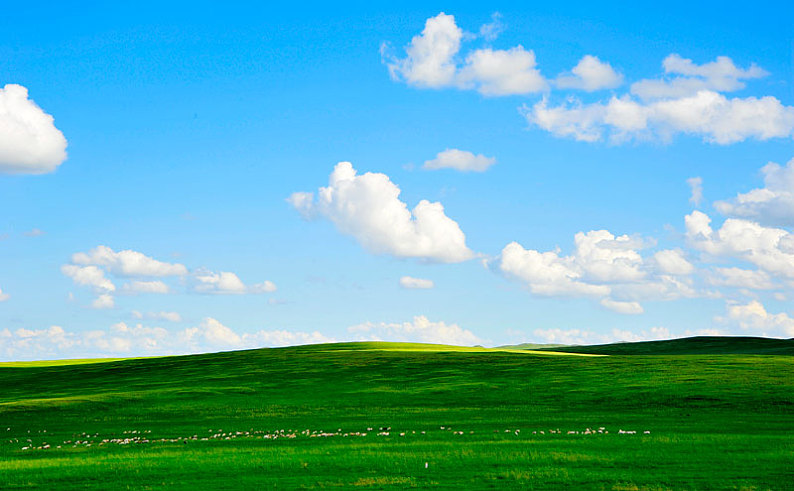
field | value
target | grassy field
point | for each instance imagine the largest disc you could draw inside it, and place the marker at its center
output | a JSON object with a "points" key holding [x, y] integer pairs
{"points": [[378, 415]]}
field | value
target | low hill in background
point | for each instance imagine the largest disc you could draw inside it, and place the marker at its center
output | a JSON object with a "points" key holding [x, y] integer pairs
{"points": [[700, 345]]}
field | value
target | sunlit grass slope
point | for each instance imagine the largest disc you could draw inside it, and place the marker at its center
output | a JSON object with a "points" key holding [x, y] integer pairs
{"points": [[701, 345], [375, 415]]}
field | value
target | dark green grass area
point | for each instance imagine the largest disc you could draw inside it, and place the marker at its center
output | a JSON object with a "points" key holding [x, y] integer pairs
{"points": [[700, 345], [278, 418]]}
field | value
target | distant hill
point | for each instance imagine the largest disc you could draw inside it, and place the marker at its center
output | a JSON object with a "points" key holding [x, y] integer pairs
{"points": [[532, 346], [700, 345]]}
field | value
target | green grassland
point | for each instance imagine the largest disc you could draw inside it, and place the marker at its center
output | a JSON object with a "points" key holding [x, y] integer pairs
{"points": [[380, 415]]}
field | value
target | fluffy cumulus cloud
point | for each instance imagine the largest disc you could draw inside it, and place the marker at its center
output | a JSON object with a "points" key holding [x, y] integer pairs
{"points": [[29, 141], [706, 114], [411, 283], [25, 344], [686, 78], [753, 316], [104, 301], [590, 74], [772, 204], [146, 275], [603, 266], [770, 249], [429, 58], [502, 72], [605, 257], [432, 60], [461, 160], [368, 208], [225, 282], [585, 337], [673, 262], [689, 99], [127, 263], [122, 339], [546, 273], [419, 330], [600, 258], [91, 276], [212, 334]]}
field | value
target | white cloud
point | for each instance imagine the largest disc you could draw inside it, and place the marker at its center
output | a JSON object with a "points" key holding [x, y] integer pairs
{"points": [[754, 316], [429, 60], [622, 307], [212, 334], [451, 158], [672, 261], [582, 122], [773, 204], [34, 233], [4, 296], [264, 287], [89, 269], [128, 263], [720, 75], [29, 141], [604, 266], [607, 258], [706, 114], [659, 287], [276, 338], [546, 273], [93, 277], [104, 301], [368, 208], [140, 340], [35, 343], [420, 330], [742, 278], [600, 258], [225, 282], [502, 72], [166, 316], [304, 203], [568, 336], [123, 339], [696, 190], [584, 337], [219, 335], [590, 74], [492, 30], [146, 287], [88, 276], [415, 283], [771, 249]]}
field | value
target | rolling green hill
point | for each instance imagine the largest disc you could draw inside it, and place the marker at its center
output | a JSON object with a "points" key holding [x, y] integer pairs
{"points": [[379, 415], [701, 345]]}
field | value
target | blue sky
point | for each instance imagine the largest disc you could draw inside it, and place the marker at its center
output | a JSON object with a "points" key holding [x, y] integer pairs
{"points": [[166, 208]]}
